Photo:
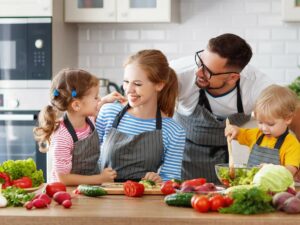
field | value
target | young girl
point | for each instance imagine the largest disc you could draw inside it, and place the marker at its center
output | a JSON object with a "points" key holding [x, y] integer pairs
{"points": [[271, 142], [73, 139], [140, 138]]}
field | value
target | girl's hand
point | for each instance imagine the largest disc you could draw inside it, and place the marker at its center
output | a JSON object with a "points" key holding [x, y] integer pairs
{"points": [[108, 175], [152, 176], [114, 96], [231, 131]]}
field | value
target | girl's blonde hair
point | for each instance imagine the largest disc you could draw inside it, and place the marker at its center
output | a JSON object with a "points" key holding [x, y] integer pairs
{"points": [[276, 102], [67, 85], [156, 65]]}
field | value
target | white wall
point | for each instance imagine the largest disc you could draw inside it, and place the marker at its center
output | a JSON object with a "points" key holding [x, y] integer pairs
{"points": [[276, 44]]}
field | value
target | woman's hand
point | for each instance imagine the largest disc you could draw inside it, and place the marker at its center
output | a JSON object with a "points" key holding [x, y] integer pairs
{"points": [[152, 176], [231, 132]]}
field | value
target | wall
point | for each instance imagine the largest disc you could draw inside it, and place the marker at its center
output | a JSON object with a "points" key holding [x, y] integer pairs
{"points": [[276, 45]]}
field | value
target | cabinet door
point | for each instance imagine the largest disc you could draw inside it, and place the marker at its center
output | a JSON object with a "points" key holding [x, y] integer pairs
{"points": [[90, 11], [144, 11]]}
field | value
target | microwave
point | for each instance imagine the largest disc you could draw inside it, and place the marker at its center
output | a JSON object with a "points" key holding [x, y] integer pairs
{"points": [[25, 50]]}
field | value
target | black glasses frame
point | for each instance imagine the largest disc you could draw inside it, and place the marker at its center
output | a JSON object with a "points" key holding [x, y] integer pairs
{"points": [[209, 73]]}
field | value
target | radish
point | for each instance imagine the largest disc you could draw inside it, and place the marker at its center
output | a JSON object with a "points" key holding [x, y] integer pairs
{"points": [[39, 203], [67, 204], [45, 197], [61, 196], [28, 205]]}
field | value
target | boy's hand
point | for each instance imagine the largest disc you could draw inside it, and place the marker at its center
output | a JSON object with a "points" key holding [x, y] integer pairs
{"points": [[231, 132]]}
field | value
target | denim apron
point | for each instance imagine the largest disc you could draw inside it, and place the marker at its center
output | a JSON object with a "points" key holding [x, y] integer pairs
{"points": [[133, 156], [86, 152], [206, 144], [259, 155]]}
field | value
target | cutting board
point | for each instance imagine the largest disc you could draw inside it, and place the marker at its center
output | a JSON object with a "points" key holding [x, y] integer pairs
{"points": [[117, 189]]}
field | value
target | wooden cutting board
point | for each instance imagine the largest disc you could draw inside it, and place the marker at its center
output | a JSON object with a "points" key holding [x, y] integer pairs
{"points": [[117, 189]]}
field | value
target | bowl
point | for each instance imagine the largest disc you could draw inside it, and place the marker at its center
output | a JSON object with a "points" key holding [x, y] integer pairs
{"points": [[243, 174]]}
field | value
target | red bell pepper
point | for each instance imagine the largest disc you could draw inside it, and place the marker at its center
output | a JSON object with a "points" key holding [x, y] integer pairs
{"points": [[5, 180], [194, 182], [133, 189], [24, 182]]}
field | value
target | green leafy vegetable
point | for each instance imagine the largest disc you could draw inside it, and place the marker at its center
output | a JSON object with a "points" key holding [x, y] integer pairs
{"points": [[20, 168], [295, 86], [16, 196], [249, 201]]}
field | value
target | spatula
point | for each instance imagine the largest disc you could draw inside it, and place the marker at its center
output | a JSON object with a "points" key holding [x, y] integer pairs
{"points": [[231, 163]]}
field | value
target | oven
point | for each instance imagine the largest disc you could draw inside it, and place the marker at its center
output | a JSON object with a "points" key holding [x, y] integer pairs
{"points": [[25, 78]]}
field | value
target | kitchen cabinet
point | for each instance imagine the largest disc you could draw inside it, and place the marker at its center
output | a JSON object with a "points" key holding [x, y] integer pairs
{"points": [[120, 11]]}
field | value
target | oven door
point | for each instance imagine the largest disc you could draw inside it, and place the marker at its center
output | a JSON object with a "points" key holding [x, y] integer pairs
{"points": [[16, 138]]}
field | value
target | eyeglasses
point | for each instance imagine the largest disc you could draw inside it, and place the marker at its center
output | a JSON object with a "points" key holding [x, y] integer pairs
{"points": [[207, 72]]}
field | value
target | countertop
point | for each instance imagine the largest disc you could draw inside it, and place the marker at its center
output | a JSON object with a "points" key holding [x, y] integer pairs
{"points": [[119, 209]]}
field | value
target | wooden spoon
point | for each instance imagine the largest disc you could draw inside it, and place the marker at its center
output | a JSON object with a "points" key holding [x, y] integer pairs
{"points": [[231, 163]]}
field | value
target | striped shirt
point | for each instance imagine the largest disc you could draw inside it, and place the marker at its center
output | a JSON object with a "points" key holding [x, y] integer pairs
{"points": [[173, 136], [61, 148]]}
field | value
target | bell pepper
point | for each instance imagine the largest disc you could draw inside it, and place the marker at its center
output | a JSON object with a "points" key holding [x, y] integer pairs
{"points": [[5, 180], [24, 182], [133, 189]]}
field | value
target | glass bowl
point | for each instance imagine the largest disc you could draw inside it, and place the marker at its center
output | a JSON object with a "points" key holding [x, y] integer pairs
{"points": [[243, 174]]}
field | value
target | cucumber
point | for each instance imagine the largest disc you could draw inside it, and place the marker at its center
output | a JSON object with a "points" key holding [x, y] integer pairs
{"points": [[92, 191], [179, 199]]}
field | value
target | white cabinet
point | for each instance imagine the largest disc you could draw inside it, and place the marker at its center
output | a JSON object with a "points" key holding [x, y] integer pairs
{"points": [[120, 10]]}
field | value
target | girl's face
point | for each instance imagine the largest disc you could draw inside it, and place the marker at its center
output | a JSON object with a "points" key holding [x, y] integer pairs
{"points": [[272, 127], [138, 88], [89, 103]]}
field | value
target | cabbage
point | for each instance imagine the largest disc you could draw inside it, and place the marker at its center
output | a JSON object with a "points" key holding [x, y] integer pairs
{"points": [[273, 178]]}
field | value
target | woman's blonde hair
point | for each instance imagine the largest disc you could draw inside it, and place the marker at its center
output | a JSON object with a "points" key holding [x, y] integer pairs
{"points": [[67, 85], [156, 66], [276, 102]]}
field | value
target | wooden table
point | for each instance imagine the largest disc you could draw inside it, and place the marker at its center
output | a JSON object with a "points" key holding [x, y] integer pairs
{"points": [[119, 209]]}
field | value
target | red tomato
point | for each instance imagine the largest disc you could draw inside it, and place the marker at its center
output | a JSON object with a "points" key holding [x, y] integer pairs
{"points": [[24, 182], [225, 182], [54, 187], [200, 203], [194, 182], [217, 202], [133, 189], [167, 187], [228, 201]]}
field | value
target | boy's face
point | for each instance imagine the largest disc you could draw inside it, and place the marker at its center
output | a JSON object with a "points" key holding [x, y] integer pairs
{"points": [[273, 127]]}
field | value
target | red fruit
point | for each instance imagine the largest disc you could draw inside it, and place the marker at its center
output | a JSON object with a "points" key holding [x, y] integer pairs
{"points": [[61, 196], [45, 197], [167, 187], [28, 205], [67, 204], [39, 203], [52, 188]]}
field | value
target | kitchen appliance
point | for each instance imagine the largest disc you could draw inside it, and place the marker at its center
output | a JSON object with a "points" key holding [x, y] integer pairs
{"points": [[107, 87], [25, 78]]}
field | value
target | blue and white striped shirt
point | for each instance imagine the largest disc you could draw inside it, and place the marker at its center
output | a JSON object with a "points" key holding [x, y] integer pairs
{"points": [[173, 136]]}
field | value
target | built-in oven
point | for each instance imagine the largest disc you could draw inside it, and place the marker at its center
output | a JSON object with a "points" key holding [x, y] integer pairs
{"points": [[25, 78]]}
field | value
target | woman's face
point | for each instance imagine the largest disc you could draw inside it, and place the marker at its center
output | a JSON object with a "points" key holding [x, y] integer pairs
{"points": [[138, 88]]}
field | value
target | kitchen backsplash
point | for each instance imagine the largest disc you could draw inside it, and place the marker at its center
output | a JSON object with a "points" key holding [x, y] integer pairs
{"points": [[276, 44]]}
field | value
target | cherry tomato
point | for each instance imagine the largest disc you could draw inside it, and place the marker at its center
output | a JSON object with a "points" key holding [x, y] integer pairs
{"points": [[24, 182], [54, 187], [194, 182], [200, 203], [217, 202], [228, 201], [167, 187], [133, 189], [225, 182]]}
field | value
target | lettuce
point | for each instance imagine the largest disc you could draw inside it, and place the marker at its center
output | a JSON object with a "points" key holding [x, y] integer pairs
{"points": [[273, 178]]}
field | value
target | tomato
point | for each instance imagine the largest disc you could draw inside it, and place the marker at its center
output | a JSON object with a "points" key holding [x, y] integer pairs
{"points": [[168, 187], [200, 203], [24, 182], [54, 187], [228, 201], [225, 182], [133, 189], [216, 202], [194, 182], [5, 180]]}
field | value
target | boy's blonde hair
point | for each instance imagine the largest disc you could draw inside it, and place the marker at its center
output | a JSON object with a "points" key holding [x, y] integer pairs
{"points": [[276, 102]]}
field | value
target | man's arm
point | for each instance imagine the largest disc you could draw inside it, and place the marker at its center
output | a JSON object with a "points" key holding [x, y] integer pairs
{"points": [[295, 125]]}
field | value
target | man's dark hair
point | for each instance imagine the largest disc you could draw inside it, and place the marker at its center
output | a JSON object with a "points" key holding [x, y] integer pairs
{"points": [[232, 47]]}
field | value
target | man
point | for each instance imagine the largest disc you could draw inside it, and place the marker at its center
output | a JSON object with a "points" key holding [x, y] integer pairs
{"points": [[219, 85]]}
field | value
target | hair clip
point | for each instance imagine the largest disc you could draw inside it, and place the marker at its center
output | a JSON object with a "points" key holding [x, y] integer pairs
{"points": [[74, 93], [55, 93]]}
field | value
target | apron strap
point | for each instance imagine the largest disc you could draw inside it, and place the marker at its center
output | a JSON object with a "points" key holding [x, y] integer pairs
{"points": [[89, 122], [203, 101], [124, 110], [279, 141], [70, 128]]}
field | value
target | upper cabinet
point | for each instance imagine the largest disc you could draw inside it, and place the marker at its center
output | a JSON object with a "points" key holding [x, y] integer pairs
{"points": [[92, 11]]}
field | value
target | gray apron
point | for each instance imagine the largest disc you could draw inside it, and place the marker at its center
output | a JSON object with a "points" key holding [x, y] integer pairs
{"points": [[260, 154], [132, 156], [86, 152], [206, 144]]}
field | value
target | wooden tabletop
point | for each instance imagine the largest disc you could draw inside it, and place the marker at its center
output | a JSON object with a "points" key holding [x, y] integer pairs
{"points": [[119, 209]]}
